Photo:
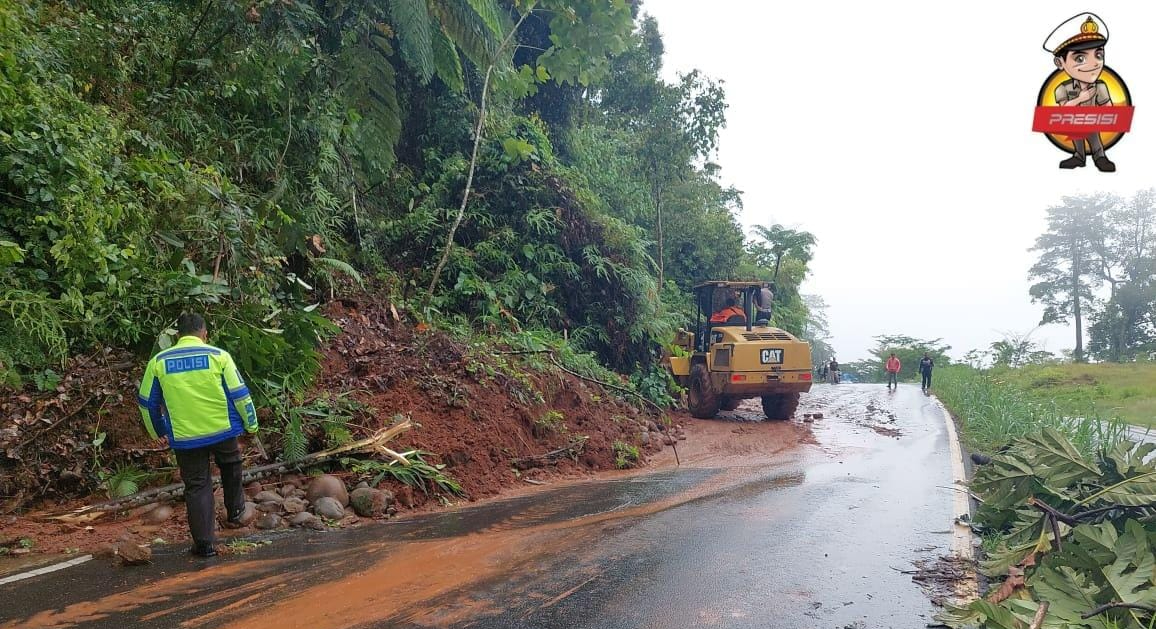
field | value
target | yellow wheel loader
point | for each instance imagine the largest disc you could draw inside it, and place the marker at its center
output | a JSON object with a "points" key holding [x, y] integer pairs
{"points": [[734, 354]]}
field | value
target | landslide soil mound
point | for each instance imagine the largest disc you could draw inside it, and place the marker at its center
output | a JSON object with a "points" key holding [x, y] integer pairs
{"points": [[482, 413], [479, 410]]}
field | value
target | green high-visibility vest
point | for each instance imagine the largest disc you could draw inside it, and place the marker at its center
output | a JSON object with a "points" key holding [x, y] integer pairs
{"points": [[193, 394]]}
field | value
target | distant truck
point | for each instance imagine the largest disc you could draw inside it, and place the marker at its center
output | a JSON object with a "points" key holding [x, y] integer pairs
{"points": [[728, 361]]}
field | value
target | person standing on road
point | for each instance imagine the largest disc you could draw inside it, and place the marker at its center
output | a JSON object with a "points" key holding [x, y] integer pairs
{"points": [[925, 367], [833, 370], [192, 395], [893, 366]]}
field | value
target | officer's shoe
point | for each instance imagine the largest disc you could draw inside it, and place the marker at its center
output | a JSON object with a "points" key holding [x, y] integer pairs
{"points": [[1104, 164], [203, 549], [1075, 161]]}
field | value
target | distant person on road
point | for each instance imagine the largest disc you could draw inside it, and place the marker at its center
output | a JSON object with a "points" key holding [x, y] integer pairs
{"points": [[823, 373], [833, 369], [893, 367], [193, 396], [730, 310], [925, 367]]}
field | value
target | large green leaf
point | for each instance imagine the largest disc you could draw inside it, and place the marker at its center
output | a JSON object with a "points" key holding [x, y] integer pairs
{"points": [[1069, 594], [1008, 481], [979, 613], [1128, 458], [1136, 491], [447, 63], [1131, 574], [1057, 462], [369, 89], [491, 16], [467, 30], [414, 29], [1096, 544]]}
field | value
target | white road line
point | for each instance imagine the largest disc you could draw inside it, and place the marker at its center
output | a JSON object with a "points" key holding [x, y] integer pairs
{"points": [[45, 570], [961, 545]]}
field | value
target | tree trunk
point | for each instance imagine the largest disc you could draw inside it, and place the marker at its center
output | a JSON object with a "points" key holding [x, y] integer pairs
{"points": [[473, 162], [1078, 354], [661, 261]]}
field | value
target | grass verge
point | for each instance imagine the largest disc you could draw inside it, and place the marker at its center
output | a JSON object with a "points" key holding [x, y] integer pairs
{"points": [[994, 412], [1126, 390]]}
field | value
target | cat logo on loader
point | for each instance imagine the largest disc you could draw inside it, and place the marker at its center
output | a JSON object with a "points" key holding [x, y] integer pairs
{"points": [[725, 362]]}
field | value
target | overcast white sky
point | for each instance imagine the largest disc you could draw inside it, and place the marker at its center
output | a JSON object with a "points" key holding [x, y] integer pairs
{"points": [[899, 133]]}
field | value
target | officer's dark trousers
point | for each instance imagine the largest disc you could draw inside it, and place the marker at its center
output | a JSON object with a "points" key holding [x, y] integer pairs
{"points": [[1093, 141], [197, 476], [926, 379]]}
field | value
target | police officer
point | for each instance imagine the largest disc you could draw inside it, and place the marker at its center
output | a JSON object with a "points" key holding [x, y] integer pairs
{"points": [[1077, 47], [193, 395]]}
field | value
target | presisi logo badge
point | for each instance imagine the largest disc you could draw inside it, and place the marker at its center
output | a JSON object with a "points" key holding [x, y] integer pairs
{"points": [[1084, 104], [771, 356], [190, 363]]}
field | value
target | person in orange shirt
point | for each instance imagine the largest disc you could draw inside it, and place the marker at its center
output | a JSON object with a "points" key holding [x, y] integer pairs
{"points": [[730, 309], [893, 367]]}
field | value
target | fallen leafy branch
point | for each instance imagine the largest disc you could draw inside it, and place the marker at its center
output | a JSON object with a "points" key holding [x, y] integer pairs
{"points": [[1084, 541]]}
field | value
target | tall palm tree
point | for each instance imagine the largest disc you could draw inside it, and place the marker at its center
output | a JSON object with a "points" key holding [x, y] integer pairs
{"points": [[786, 243]]}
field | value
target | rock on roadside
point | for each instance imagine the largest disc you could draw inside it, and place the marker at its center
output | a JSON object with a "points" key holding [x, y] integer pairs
{"points": [[269, 522], [158, 515], [303, 519], [268, 496], [370, 503], [327, 486], [293, 505], [327, 507]]}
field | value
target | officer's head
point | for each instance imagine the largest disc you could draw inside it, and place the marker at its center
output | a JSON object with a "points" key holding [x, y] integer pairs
{"points": [[1083, 61], [191, 324], [730, 302]]}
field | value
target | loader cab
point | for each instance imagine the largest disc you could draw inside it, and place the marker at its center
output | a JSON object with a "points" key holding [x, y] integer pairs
{"points": [[714, 310]]}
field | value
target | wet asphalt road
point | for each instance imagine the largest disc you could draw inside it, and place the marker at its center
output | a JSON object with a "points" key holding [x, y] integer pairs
{"points": [[814, 537]]}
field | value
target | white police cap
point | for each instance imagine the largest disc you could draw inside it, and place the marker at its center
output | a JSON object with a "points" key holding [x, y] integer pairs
{"points": [[1079, 32]]}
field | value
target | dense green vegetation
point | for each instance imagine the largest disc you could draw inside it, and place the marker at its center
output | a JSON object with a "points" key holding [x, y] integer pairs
{"points": [[497, 165]]}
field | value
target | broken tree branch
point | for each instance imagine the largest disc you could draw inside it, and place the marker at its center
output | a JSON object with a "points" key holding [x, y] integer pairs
{"points": [[636, 394], [1103, 608], [570, 451], [1041, 613]]}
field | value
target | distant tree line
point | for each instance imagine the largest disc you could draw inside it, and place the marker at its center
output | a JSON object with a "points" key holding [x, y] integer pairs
{"points": [[1096, 263]]}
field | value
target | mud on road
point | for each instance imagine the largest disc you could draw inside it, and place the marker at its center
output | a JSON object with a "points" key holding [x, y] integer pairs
{"points": [[784, 524]]}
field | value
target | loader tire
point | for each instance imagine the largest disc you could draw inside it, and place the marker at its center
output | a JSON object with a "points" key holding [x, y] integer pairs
{"points": [[781, 406], [702, 400]]}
